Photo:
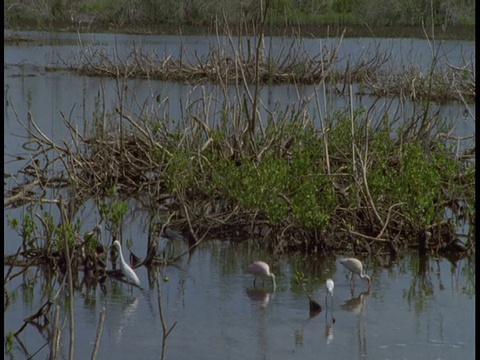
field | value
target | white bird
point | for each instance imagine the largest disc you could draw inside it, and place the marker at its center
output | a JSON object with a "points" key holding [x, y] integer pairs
{"points": [[356, 268], [261, 269], [329, 286], [126, 269]]}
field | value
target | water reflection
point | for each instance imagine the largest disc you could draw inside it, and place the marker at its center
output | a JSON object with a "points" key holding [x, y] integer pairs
{"points": [[329, 319], [298, 335], [329, 332], [259, 296], [88, 286], [125, 318], [421, 290], [315, 309], [442, 328], [356, 304]]}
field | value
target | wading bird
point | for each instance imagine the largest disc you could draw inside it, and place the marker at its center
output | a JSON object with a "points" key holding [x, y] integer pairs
{"points": [[356, 268], [261, 269], [329, 286], [126, 269]]}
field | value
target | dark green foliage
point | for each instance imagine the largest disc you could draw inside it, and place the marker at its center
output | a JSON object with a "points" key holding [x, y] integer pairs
{"points": [[207, 12]]}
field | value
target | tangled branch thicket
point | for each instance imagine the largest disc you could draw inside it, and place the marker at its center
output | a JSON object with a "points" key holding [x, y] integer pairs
{"points": [[349, 183], [248, 61], [314, 181]]}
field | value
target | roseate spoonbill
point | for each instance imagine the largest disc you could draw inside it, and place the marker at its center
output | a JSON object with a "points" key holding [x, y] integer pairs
{"points": [[126, 269], [329, 286], [356, 268], [261, 269]]}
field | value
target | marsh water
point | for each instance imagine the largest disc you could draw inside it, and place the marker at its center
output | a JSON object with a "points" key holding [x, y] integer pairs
{"points": [[417, 308]]}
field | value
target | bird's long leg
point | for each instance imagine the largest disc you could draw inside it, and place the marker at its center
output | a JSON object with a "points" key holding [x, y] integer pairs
{"points": [[329, 309], [352, 282], [254, 279]]}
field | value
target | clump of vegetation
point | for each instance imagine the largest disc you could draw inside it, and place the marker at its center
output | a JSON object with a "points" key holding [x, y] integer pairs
{"points": [[352, 182], [297, 180]]}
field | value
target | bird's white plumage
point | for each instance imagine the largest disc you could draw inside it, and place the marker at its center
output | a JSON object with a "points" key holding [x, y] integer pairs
{"points": [[329, 286], [356, 268], [126, 269]]}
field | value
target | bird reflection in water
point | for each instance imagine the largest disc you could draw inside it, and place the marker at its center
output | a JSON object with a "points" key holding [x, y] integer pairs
{"points": [[329, 319], [125, 318], [259, 299], [329, 332], [259, 296], [356, 304]]}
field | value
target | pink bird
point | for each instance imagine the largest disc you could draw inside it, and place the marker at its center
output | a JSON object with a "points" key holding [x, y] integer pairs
{"points": [[261, 269], [356, 268]]}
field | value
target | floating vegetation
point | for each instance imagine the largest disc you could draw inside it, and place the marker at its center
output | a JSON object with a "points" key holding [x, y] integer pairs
{"points": [[249, 60]]}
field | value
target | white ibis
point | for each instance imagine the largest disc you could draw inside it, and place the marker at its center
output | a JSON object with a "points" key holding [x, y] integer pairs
{"points": [[356, 268], [262, 270]]}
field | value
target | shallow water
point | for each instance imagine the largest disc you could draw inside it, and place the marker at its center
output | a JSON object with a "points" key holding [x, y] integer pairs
{"points": [[54, 48], [411, 312], [416, 308]]}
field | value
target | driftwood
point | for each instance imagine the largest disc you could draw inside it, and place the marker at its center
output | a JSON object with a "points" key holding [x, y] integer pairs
{"points": [[21, 194]]}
